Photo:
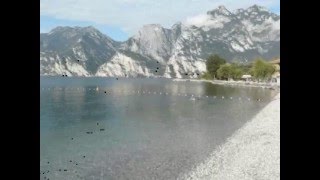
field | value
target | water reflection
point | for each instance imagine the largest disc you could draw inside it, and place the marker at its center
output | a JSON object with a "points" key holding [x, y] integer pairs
{"points": [[148, 136], [253, 93]]}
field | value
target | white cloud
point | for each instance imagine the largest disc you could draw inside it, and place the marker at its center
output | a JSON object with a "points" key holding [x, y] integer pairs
{"points": [[206, 20], [131, 15], [198, 20]]}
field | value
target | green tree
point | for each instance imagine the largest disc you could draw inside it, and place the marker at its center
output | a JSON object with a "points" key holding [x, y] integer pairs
{"points": [[225, 71], [245, 68], [213, 64], [262, 70], [236, 71]]}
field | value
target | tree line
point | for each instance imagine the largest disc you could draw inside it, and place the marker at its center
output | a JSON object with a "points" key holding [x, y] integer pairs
{"points": [[218, 68]]}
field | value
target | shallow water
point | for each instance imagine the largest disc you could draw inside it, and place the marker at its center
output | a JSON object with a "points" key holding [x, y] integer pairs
{"points": [[137, 133]]}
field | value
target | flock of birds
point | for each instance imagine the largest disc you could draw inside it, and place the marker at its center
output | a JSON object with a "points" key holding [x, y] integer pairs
{"points": [[145, 92], [49, 171], [46, 174]]}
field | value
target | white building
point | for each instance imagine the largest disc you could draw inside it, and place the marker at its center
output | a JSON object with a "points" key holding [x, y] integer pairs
{"points": [[246, 77]]}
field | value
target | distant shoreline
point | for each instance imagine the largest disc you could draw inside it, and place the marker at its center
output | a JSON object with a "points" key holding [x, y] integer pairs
{"points": [[233, 83], [219, 82]]}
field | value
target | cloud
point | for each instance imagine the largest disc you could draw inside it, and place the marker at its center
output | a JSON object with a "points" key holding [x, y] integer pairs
{"points": [[131, 15], [198, 20]]}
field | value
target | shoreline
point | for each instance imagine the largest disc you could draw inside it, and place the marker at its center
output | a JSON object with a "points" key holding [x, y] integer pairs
{"points": [[218, 82], [233, 83], [252, 152]]}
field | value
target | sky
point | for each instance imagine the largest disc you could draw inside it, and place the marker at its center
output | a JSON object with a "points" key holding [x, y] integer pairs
{"points": [[120, 19]]}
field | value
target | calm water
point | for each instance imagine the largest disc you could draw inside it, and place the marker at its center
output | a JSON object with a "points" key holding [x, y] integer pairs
{"points": [[126, 134]]}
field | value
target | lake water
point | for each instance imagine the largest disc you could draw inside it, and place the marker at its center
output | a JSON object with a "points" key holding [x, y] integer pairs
{"points": [[103, 128]]}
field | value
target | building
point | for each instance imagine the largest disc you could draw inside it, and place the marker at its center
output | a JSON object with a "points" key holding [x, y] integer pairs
{"points": [[246, 77]]}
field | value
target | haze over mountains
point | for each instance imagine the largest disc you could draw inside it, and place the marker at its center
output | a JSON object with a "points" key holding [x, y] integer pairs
{"points": [[241, 35]]}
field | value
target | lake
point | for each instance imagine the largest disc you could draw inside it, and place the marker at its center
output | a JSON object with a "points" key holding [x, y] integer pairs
{"points": [[104, 128]]}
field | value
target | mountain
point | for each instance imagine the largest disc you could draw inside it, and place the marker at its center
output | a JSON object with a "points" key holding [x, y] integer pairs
{"points": [[240, 36], [75, 51]]}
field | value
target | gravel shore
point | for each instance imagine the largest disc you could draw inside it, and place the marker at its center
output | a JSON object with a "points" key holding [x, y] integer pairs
{"points": [[252, 153]]}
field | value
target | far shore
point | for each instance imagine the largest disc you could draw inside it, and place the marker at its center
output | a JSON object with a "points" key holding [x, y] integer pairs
{"points": [[273, 86], [235, 83]]}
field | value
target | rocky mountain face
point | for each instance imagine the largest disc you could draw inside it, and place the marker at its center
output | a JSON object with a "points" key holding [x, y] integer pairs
{"points": [[74, 51], [240, 36]]}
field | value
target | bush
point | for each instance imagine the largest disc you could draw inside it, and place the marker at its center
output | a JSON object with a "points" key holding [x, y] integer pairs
{"points": [[236, 72], [227, 71], [262, 70], [207, 76]]}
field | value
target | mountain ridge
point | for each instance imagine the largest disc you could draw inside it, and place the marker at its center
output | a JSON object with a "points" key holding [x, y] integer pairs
{"points": [[240, 35]]}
